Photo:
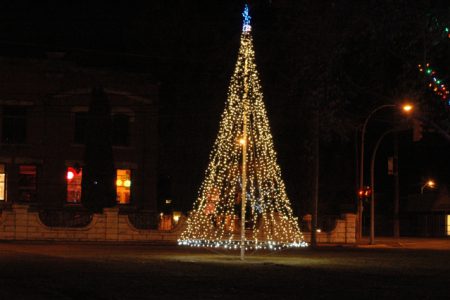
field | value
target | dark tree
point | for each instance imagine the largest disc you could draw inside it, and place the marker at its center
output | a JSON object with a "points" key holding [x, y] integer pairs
{"points": [[98, 173]]}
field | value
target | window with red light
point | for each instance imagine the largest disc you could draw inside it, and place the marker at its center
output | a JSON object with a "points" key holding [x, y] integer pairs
{"points": [[73, 177], [27, 183], [123, 186]]}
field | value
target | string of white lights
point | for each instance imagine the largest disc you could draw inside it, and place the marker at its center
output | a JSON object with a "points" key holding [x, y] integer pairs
{"points": [[214, 220]]}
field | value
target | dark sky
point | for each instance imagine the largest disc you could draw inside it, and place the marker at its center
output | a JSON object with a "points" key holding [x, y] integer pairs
{"points": [[362, 54]]}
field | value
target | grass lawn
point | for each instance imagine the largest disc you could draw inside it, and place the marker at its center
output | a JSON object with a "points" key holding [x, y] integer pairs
{"points": [[74, 271]]}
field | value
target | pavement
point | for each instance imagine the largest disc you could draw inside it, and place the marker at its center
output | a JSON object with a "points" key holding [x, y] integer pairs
{"points": [[411, 243], [425, 243]]}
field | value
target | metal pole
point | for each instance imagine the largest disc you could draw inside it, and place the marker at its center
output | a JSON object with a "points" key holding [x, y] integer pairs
{"points": [[396, 190], [315, 202], [244, 162], [361, 168], [244, 185], [372, 183]]}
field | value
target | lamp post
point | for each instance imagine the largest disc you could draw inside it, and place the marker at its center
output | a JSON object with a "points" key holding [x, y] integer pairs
{"points": [[430, 184], [406, 108], [372, 184]]}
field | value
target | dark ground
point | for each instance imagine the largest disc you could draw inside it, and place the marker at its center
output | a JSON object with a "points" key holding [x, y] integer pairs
{"points": [[99, 271]]}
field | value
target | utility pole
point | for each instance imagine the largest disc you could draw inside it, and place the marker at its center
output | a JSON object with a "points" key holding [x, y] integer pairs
{"points": [[244, 161], [396, 188], [315, 202]]}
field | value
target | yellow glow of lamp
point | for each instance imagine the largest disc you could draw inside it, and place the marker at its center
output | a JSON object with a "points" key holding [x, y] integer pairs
{"points": [[407, 108], [119, 182], [176, 217], [127, 183], [429, 184]]}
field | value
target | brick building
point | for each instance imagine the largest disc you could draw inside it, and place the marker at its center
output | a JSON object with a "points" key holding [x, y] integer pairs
{"points": [[43, 107]]}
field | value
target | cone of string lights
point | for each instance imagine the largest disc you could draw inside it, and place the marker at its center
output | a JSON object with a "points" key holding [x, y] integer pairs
{"points": [[242, 202]]}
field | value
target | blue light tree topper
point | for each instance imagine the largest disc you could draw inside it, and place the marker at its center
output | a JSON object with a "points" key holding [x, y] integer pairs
{"points": [[246, 27]]}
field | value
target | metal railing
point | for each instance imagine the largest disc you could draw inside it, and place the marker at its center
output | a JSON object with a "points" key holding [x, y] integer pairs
{"points": [[144, 220], [64, 218]]}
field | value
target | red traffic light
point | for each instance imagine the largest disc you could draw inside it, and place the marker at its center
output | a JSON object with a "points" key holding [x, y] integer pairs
{"points": [[365, 193]]}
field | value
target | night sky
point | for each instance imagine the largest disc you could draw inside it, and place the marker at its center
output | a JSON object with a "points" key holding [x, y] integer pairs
{"points": [[345, 57]]}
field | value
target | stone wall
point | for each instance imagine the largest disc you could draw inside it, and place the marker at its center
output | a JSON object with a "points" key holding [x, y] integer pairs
{"points": [[344, 231], [20, 224]]}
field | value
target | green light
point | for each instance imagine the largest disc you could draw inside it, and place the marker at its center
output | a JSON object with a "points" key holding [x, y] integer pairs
{"points": [[429, 71], [438, 82], [446, 29]]}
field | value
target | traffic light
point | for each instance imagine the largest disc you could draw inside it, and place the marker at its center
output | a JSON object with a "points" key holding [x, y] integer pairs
{"points": [[365, 192], [361, 194], [417, 130]]}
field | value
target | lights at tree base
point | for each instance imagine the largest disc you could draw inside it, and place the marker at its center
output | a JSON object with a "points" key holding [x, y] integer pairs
{"points": [[434, 83], [249, 244]]}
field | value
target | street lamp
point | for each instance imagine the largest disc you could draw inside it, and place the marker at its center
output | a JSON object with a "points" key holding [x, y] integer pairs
{"points": [[372, 183], [406, 108], [430, 184]]}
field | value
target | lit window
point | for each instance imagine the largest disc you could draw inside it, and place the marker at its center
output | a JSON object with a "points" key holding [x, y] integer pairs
{"points": [[448, 224], [27, 183], [123, 184], [73, 177], [14, 124], [2, 183]]}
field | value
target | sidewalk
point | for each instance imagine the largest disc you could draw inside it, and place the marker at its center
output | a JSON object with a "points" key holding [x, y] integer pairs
{"points": [[431, 243]]}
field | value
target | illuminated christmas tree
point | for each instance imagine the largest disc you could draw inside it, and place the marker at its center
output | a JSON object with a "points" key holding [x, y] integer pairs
{"points": [[243, 162]]}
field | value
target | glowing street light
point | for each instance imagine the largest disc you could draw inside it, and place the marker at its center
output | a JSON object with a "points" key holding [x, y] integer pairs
{"points": [[429, 184], [406, 108]]}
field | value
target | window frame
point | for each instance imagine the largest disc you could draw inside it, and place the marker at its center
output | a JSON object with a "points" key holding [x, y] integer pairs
{"points": [[116, 131], [3, 184], [123, 186], [32, 188], [448, 225], [76, 181], [15, 123], [79, 123]]}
